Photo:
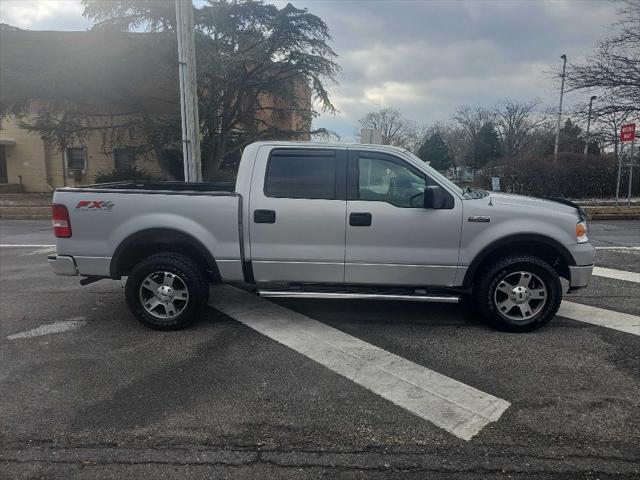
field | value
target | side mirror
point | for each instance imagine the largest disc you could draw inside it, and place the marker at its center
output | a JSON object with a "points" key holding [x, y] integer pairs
{"points": [[436, 197]]}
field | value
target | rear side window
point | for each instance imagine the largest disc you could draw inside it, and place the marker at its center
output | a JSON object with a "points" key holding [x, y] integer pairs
{"points": [[297, 174]]}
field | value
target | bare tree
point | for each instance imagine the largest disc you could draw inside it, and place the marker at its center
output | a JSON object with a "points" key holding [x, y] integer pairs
{"points": [[394, 128], [613, 69], [516, 123], [457, 145], [471, 120], [606, 128]]}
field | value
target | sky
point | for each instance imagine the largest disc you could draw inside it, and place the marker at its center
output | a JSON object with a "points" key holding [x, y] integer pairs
{"points": [[424, 58]]}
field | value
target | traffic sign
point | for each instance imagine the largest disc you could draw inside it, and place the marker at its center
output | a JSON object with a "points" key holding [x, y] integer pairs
{"points": [[628, 132]]}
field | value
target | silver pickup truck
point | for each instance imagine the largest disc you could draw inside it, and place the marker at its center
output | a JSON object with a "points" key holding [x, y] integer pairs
{"points": [[324, 221]]}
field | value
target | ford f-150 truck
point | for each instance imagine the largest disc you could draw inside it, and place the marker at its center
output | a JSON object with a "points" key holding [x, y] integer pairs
{"points": [[324, 221]]}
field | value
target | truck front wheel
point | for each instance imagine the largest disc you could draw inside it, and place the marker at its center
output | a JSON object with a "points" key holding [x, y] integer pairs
{"points": [[519, 293], [166, 291]]}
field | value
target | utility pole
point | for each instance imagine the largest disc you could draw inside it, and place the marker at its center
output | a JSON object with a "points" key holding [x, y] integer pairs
{"points": [[555, 149], [586, 139], [188, 92]]}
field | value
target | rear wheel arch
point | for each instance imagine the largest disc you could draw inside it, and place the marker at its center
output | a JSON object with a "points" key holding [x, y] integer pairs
{"points": [[546, 248], [145, 243]]}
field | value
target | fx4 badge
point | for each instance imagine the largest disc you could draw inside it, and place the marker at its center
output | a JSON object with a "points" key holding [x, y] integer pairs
{"points": [[100, 205]]}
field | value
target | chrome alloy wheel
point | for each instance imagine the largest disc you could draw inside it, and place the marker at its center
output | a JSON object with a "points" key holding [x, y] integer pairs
{"points": [[520, 295], [164, 295]]}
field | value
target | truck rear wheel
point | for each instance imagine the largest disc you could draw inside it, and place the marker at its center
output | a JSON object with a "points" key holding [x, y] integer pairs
{"points": [[519, 293], [166, 291]]}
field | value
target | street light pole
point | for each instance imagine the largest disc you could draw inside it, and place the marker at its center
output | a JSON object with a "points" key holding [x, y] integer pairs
{"points": [[555, 149], [586, 140], [188, 92]]}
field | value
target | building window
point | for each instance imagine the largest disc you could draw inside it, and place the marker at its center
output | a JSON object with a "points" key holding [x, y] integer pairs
{"points": [[123, 159], [76, 158]]}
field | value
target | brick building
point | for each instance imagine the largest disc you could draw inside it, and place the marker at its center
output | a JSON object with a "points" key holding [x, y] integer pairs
{"points": [[102, 71]]}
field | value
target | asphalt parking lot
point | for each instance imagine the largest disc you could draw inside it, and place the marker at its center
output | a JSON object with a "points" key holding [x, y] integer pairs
{"points": [[100, 396]]}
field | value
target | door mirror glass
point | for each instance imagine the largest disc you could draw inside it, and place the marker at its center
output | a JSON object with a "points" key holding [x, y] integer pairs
{"points": [[435, 197]]}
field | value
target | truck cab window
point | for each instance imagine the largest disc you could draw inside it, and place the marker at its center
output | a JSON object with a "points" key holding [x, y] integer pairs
{"points": [[387, 181], [301, 176]]}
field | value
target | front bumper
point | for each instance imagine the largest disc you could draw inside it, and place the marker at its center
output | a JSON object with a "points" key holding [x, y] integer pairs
{"points": [[63, 265], [579, 276]]}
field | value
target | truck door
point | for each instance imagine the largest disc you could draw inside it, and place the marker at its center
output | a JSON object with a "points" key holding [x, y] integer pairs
{"points": [[297, 207], [391, 238]]}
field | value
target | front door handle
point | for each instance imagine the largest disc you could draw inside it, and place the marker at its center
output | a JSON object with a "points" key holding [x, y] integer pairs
{"points": [[360, 219], [264, 216]]}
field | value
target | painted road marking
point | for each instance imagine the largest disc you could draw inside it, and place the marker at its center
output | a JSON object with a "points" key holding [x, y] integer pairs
{"points": [[600, 316], [457, 408], [617, 274], [56, 327], [12, 245], [617, 248]]}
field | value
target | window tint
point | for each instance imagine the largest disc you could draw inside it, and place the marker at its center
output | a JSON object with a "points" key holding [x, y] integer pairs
{"points": [[301, 176], [387, 181], [76, 159]]}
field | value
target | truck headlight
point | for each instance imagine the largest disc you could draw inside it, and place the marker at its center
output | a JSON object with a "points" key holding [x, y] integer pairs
{"points": [[582, 231]]}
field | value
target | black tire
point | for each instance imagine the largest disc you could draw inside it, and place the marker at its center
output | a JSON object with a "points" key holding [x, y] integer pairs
{"points": [[181, 270], [488, 300]]}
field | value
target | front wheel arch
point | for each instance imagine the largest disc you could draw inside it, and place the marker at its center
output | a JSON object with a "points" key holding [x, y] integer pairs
{"points": [[546, 248]]}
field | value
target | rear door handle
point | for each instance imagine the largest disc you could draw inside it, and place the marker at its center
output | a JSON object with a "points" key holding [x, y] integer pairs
{"points": [[360, 219], [264, 216]]}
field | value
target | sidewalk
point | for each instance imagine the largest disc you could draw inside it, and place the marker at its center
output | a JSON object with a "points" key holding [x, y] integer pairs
{"points": [[606, 208], [25, 206]]}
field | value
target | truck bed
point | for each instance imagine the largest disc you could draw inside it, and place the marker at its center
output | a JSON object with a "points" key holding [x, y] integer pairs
{"points": [[105, 216]]}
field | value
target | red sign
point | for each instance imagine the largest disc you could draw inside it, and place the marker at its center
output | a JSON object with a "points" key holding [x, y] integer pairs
{"points": [[627, 132]]}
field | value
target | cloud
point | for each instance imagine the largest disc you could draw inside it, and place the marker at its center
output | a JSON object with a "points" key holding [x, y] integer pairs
{"points": [[428, 57], [43, 14], [424, 57]]}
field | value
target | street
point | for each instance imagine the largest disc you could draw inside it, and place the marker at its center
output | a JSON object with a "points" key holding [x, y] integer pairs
{"points": [[88, 392]]}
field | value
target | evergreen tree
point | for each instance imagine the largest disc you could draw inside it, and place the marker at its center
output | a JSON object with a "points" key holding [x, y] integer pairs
{"points": [[488, 145], [434, 150]]}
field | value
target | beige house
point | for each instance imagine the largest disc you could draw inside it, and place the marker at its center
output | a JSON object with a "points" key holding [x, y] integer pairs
{"points": [[138, 67], [29, 164]]}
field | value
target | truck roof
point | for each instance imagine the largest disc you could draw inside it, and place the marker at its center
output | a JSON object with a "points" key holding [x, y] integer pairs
{"points": [[301, 144]]}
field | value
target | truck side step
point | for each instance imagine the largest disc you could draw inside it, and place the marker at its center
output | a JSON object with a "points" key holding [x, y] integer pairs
{"points": [[358, 296]]}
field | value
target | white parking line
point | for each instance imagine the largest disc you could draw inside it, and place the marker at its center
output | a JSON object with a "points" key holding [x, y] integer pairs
{"points": [[457, 408], [600, 316], [618, 248], [617, 274], [56, 327]]}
